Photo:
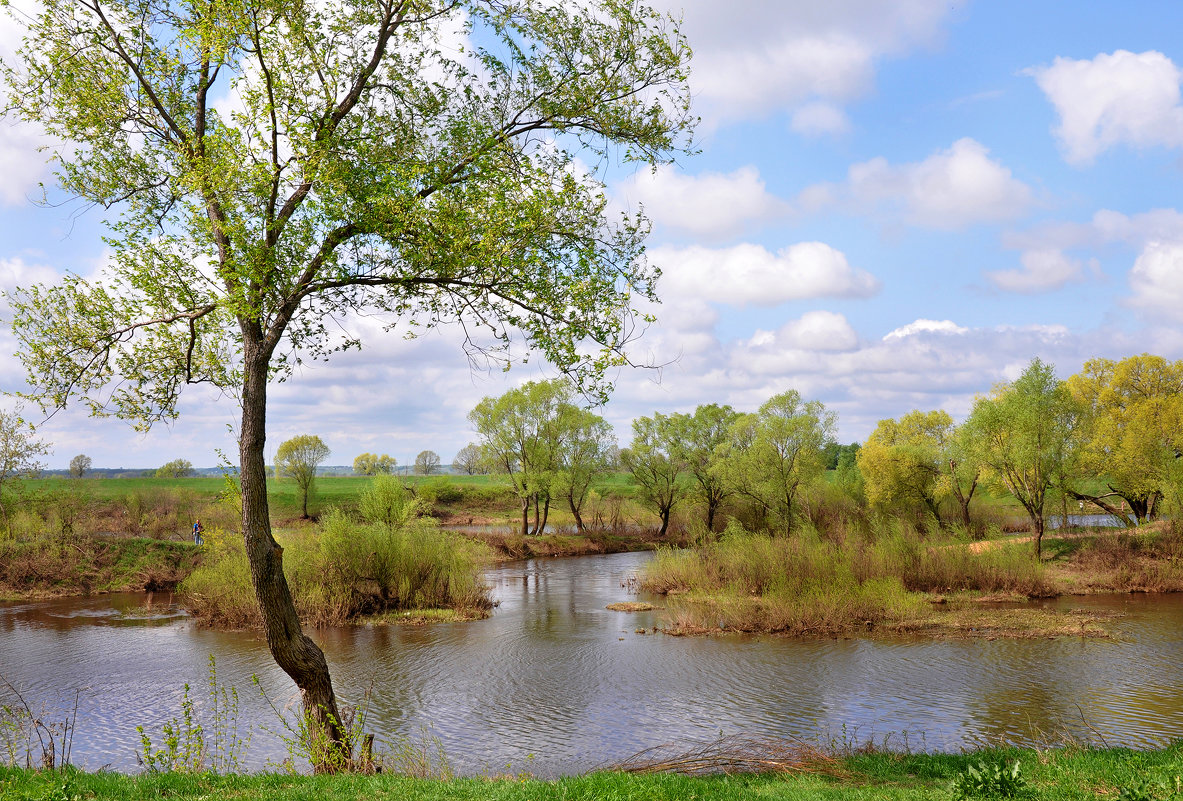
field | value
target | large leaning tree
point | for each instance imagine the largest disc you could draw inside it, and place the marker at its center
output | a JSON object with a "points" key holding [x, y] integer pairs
{"points": [[272, 167]]}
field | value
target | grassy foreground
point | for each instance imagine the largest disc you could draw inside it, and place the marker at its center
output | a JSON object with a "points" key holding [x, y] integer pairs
{"points": [[1067, 773]]}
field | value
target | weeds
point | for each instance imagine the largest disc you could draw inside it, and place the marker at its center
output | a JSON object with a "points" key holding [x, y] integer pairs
{"points": [[20, 726], [185, 746], [989, 780], [307, 741]]}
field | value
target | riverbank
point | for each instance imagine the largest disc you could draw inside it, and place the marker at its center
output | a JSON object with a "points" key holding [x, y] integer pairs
{"points": [[1053, 774], [58, 567]]}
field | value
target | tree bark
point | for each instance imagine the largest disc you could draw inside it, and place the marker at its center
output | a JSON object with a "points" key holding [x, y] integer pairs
{"points": [[525, 516], [293, 651], [575, 514]]}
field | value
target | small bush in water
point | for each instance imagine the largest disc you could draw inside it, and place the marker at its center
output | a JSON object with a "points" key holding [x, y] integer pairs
{"points": [[396, 560]]}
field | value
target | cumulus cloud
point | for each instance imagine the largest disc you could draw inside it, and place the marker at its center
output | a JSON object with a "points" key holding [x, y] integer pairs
{"points": [[709, 205], [1114, 98], [813, 331], [951, 189], [924, 364], [1157, 279], [1152, 234], [761, 57], [923, 326], [750, 275], [1042, 270]]}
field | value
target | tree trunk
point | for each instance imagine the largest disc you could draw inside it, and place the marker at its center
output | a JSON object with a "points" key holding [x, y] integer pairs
{"points": [[294, 652], [665, 520], [712, 507], [1038, 520], [525, 516], [575, 514]]}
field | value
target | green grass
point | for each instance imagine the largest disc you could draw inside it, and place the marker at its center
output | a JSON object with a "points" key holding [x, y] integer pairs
{"points": [[1053, 774]]}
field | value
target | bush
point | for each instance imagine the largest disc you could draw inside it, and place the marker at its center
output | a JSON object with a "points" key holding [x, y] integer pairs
{"points": [[440, 490], [400, 561], [807, 583]]}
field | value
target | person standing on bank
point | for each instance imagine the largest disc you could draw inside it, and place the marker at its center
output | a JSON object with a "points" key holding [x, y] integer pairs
{"points": [[197, 529]]}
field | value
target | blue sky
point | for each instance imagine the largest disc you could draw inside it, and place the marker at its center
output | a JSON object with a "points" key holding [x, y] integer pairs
{"points": [[897, 204]]}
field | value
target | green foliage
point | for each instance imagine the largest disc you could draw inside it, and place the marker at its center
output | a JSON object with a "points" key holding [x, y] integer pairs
{"points": [[523, 434], [439, 490], [183, 743], [468, 460], [698, 446], [652, 459], [19, 449], [387, 502], [298, 459], [397, 560], [904, 461], [1024, 436], [989, 780], [370, 464], [771, 454], [1134, 415], [177, 468]]}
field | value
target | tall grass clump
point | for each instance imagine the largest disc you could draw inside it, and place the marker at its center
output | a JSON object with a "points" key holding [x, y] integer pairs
{"points": [[810, 583], [950, 564], [395, 559], [756, 582]]}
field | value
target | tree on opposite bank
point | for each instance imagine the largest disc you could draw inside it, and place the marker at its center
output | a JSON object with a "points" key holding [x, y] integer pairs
{"points": [[361, 163]]}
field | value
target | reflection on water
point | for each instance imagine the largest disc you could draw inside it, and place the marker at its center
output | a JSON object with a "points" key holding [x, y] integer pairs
{"points": [[554, 683], [1086, 521]]}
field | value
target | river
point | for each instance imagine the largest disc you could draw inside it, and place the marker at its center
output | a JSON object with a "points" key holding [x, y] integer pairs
{"points": [[555, 684]]}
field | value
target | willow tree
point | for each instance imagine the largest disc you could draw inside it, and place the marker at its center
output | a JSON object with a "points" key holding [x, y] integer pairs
{"points": [[1134, 411], [776, 451], [272, 167], [1024, 435]]}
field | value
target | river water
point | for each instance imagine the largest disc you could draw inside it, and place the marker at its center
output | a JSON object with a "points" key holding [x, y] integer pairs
{"points": [[555, 684]]}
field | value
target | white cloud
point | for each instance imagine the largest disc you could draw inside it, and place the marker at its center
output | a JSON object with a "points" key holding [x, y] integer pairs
{"points": [[923, 326], [750, 275], [761, 57], [1116, 98], [709, 205], [1157, 279], [21, 165], [950, 190], [817, 331], [1042, 270], [16, 272], [819, 119]]}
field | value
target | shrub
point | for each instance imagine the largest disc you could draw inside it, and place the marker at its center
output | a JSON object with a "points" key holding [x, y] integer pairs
{"points": [[439, 490], [402, 561]]}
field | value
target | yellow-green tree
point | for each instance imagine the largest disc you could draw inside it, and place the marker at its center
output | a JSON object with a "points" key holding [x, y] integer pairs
{"points": [[298, 458], [371, 464], [1023, 435], [903, 461], [1134, 430]]}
